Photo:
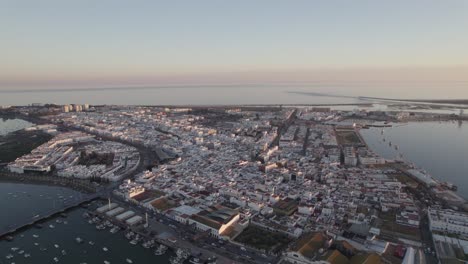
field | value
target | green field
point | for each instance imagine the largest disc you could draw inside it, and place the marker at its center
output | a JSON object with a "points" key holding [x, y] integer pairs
{"points": [[261, 239]]}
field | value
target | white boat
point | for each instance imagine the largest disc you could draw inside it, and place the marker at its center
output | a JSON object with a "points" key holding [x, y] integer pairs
{"points": [[148, 244], [129, 235], [134, 242], [56, 259], [64, 252], [56, 246], [27, 255], [21, 252], [129, 260], [175, 260], [14, 249], [182, 254], [79, 240], [9, 256], [91, 243], [106, 262], [161, 250], [36, 244], [51, 226], [195, 260], [35, 236], [105, 249], [114, 230]]}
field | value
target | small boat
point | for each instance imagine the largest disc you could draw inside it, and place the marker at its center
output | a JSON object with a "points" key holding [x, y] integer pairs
{"points": [[14, 249], [27, 255], [134, 242], [182, 253], [129, 260], [56, 246], [21, 252], [105, 249], [56, 259], [64, 252], [36, 244], [161, 250], [148, 244], [9, 256], [79, 240], [9, 238], [114, 230], [129, 235], [91, 243], [51, 226], [195, 260], [35, 236], [175, 260], [106, 262]]}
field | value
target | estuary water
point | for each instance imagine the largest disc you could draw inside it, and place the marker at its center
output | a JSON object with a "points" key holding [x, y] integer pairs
{"points": [[327, 92], [440, 148], [57, 237], [12, 125]]}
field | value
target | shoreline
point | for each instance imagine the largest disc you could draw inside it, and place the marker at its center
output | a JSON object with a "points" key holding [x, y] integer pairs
{"points": [[53, 181]]}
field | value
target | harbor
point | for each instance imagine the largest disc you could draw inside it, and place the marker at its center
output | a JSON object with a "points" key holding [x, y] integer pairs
{"points": [[73, 240]]}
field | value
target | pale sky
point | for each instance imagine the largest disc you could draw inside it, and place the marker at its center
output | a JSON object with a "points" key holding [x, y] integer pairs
{"points": [[89, 43]]}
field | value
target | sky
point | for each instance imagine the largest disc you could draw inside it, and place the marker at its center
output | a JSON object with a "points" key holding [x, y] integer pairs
{"points": [[90, 43]]}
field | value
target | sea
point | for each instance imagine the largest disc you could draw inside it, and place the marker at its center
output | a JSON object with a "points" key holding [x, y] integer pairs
{"points": [[291, 93]]}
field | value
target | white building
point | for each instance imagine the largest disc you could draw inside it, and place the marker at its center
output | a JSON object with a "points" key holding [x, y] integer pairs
{"points": [[216, 220], [448, 221], [350, 157]]}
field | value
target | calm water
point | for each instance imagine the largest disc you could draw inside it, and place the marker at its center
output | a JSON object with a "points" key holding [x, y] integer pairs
{"points": [[315, 93], [439, 148], [21, 201], [12, 125]]}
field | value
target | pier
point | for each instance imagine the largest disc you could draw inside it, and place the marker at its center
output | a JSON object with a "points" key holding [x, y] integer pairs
{"points": [[47, 214]]}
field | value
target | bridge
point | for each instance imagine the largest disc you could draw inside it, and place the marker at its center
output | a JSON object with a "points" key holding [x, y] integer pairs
{"points": [[68, 204]]}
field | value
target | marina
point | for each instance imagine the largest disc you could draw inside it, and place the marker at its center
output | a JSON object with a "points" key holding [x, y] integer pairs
{"points": [[74, 240]]}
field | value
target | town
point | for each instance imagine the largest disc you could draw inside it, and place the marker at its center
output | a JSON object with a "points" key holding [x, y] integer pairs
{"points": [[266, 184]]}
